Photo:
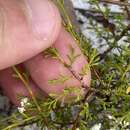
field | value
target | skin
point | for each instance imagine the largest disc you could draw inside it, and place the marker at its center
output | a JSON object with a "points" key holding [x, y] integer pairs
{"points": [[24, 37]]}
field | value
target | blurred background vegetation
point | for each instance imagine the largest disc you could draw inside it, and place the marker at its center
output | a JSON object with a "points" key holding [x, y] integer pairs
{"points": [[103, 28]]}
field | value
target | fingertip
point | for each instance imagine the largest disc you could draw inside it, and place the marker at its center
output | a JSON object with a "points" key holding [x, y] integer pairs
{"points": [[27, 36], [44, 69]]}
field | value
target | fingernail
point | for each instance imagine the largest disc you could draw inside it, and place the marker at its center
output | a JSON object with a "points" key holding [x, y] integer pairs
{"points": [[41, 13]]}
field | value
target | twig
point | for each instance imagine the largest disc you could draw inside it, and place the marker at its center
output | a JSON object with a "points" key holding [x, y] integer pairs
{"points": [[117, 38], [85, 11], [28, 87], [116, 2], [19, 123], [89, 94]]}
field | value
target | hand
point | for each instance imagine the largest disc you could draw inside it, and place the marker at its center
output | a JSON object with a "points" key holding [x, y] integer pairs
{"points": [[28, 27]]}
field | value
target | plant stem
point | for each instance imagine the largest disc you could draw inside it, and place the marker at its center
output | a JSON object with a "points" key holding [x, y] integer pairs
{"points": [[19, 123], [28, 87], [116, 2]]}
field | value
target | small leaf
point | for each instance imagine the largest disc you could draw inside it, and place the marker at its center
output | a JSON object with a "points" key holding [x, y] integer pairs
{"points": [[127, 117], [72, 56], [85, 111], [51, 52], [61, 80], [85, 70]]}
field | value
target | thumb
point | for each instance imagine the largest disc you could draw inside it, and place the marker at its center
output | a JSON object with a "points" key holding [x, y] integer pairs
{"points": [[26, 28]]}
